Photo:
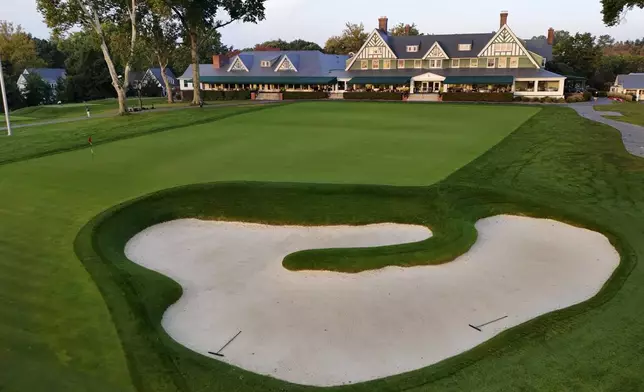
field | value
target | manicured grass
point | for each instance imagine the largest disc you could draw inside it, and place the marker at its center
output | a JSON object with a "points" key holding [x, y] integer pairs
{"points": [[56, 325], [631, 112]]}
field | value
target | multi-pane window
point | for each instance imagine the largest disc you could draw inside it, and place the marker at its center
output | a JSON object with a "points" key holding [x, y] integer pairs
{"points": [[266, 64], [503, 47], [418, 64], [401, 64], [364, 64], [436, 63], [412, 48], [474, 63], [464, 47], [503, 62], [386, 64], [491, 62], [456, 63], [514, 62], [375, 64]]}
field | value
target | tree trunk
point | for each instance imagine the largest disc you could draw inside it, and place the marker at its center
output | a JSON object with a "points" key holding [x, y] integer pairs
{"points": [[196, 99], [168, 89], [120, 91]]}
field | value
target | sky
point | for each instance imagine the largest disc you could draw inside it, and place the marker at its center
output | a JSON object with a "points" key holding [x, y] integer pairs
{"points": [[315, 20]]}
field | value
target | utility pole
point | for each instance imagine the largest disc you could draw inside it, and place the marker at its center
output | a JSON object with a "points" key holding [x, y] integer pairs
{"points": [[4, 99]]}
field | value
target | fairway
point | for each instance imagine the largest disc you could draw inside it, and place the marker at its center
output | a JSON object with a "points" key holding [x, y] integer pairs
{"points": [[465, 161]]}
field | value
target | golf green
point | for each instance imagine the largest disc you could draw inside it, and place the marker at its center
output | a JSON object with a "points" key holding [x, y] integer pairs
{"points": [[55, 324]]}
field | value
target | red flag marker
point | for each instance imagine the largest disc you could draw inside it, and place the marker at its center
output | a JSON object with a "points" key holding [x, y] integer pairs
{"points": [[91, 146], [90, 140]]}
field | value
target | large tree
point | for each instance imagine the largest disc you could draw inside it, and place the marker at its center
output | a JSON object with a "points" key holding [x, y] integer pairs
{"points": [[298, 44], [18, 48], [198, 16], [352, 38], [402, 29], [106, 19], [580, 52], [160, 34], [209, 44], [614, 9], [48, 51]]}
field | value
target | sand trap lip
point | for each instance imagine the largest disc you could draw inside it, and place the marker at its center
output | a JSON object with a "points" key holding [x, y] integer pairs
{"points": [[327, 328]]}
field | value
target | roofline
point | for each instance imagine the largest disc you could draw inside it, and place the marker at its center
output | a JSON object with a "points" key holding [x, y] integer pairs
{"points": [[353, 60], [506, 27], [432, 47], [285, 56]]}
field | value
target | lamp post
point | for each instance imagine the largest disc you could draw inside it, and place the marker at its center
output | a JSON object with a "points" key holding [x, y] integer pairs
{"points": [[4, 99]]}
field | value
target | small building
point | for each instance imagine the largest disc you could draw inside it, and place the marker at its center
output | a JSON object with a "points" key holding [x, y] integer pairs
{"points": [[630, 84], [422, 66], [153, 75], [51, 76]]}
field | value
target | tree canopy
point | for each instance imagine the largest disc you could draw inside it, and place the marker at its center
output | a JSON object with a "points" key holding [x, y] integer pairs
{"points": [[403, 29], [613, 10], [350, 41]]}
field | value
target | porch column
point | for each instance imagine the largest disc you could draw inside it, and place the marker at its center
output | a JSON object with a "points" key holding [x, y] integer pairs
{"points": [[411, 86], [536, 85], [562, 84]]}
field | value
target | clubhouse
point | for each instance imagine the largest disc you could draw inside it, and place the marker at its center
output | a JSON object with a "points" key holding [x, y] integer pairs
{"points": [[421, 66]]}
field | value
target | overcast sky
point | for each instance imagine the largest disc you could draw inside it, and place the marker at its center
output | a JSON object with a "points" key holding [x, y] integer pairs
{"points": [[315, 20]]}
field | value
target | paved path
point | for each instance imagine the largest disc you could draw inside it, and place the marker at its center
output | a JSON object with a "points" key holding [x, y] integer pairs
{"points": [[105, 115], [632, 135]]}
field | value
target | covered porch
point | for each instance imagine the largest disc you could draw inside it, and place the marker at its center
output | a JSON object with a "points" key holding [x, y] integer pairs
{"points": [[267, 84], [379, 83], [479, 84]]}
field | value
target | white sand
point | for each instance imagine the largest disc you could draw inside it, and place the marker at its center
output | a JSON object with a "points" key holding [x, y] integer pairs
{"points": [[324, 328]]}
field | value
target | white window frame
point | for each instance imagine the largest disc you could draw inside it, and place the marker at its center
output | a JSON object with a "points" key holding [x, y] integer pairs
{"points": [[386, 64], [418, 64], [401, 64], [412, 48], [464, 47], [474, 63], [493, 62], [436, 63], [514, 62], [502, 62], [456, 63], [265, 64], [375, 64], [364, 64], [376, 52], [503, 47]]}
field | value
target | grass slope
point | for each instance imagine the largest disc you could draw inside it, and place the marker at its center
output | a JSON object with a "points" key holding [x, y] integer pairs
{"points": [[54, 322], [631, 112]]}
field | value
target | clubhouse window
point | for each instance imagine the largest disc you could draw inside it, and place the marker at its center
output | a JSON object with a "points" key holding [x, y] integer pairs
{"points": [[401, 64], [435, 63], [514, 62], [491, 62], [375, 64], [386, 64], [418, 64], [364, 64], [474, 63], [503, 62], [456, 63], [524, 85]]}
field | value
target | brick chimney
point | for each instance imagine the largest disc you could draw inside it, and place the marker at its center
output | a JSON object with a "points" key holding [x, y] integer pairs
{"points": [[407, 29], [504, 18], [383, 23], [219, 61], [551, 36]]}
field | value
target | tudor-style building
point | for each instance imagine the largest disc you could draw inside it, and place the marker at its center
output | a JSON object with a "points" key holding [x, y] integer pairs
{"points": [[420, 65], [429, 64]]}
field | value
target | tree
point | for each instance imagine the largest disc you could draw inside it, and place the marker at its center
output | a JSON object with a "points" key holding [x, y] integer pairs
{"points": [[580, 52], [280, 44], [614, 9], [352, 38], [105, 19], [17, 48], [402, 29], [48, 51], [161, 33], [37, 91], [209, 44], [200, 16], [605, 41]]}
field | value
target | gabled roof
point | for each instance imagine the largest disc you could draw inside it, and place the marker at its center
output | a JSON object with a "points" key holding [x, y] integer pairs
{"points": [[505, 31], [156, 72], [386, 39], [631, 81], [50, 75], [136, 76], [309, 63], [449, 43], [539, 46]]}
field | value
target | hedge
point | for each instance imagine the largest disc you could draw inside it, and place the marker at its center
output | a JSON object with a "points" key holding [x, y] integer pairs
{"points": [[375, 96], [305, 95], [225, 95], [625, 97], [478, 97]]}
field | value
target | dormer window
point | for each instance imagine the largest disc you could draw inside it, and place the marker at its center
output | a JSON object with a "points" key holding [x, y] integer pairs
{"points": [[464, 47], [412, 48], [266, 64]]}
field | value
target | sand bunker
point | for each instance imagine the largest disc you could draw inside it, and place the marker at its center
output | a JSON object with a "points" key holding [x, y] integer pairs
{"points": [[325, 328]]}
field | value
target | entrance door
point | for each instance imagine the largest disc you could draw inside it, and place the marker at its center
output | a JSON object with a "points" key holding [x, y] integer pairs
{"points": [[437, 87], [425, 87]]}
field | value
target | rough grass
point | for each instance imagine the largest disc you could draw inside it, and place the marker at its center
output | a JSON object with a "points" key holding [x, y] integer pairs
{"points": [[631, 112], [54, 323]]}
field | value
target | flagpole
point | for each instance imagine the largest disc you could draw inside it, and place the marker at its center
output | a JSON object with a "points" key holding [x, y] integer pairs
{"points": [[4, 99]]}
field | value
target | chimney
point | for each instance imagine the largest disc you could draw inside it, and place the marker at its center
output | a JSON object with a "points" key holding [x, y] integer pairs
{"points": [[407, 29], [551, 36], [217, 61], [504, 18], [383, 23]]}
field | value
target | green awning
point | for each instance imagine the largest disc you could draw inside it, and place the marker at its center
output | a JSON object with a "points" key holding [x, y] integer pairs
{"points": [[479, 80], [389, 80], [240, 79]]}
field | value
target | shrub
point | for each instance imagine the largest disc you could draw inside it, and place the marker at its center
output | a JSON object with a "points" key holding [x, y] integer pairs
{"points": [[625, 97], [548, 100], [561, 100], [225, 95], [535, 99], [478, 97], [602, 94], [305, 95], [373, 95], [587, 96], [526, 99], [517, 99]]}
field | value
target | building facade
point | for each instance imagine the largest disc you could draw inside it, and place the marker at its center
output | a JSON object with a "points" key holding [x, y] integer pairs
{"points": [[632, 84], [419, 65], [51, 76]]}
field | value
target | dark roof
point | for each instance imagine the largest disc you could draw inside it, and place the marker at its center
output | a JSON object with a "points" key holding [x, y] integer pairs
{"points": [[539, 46], [136, 76], [631, 81], [309, 63], [156, 72], [50, 75], [449, 43]]}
